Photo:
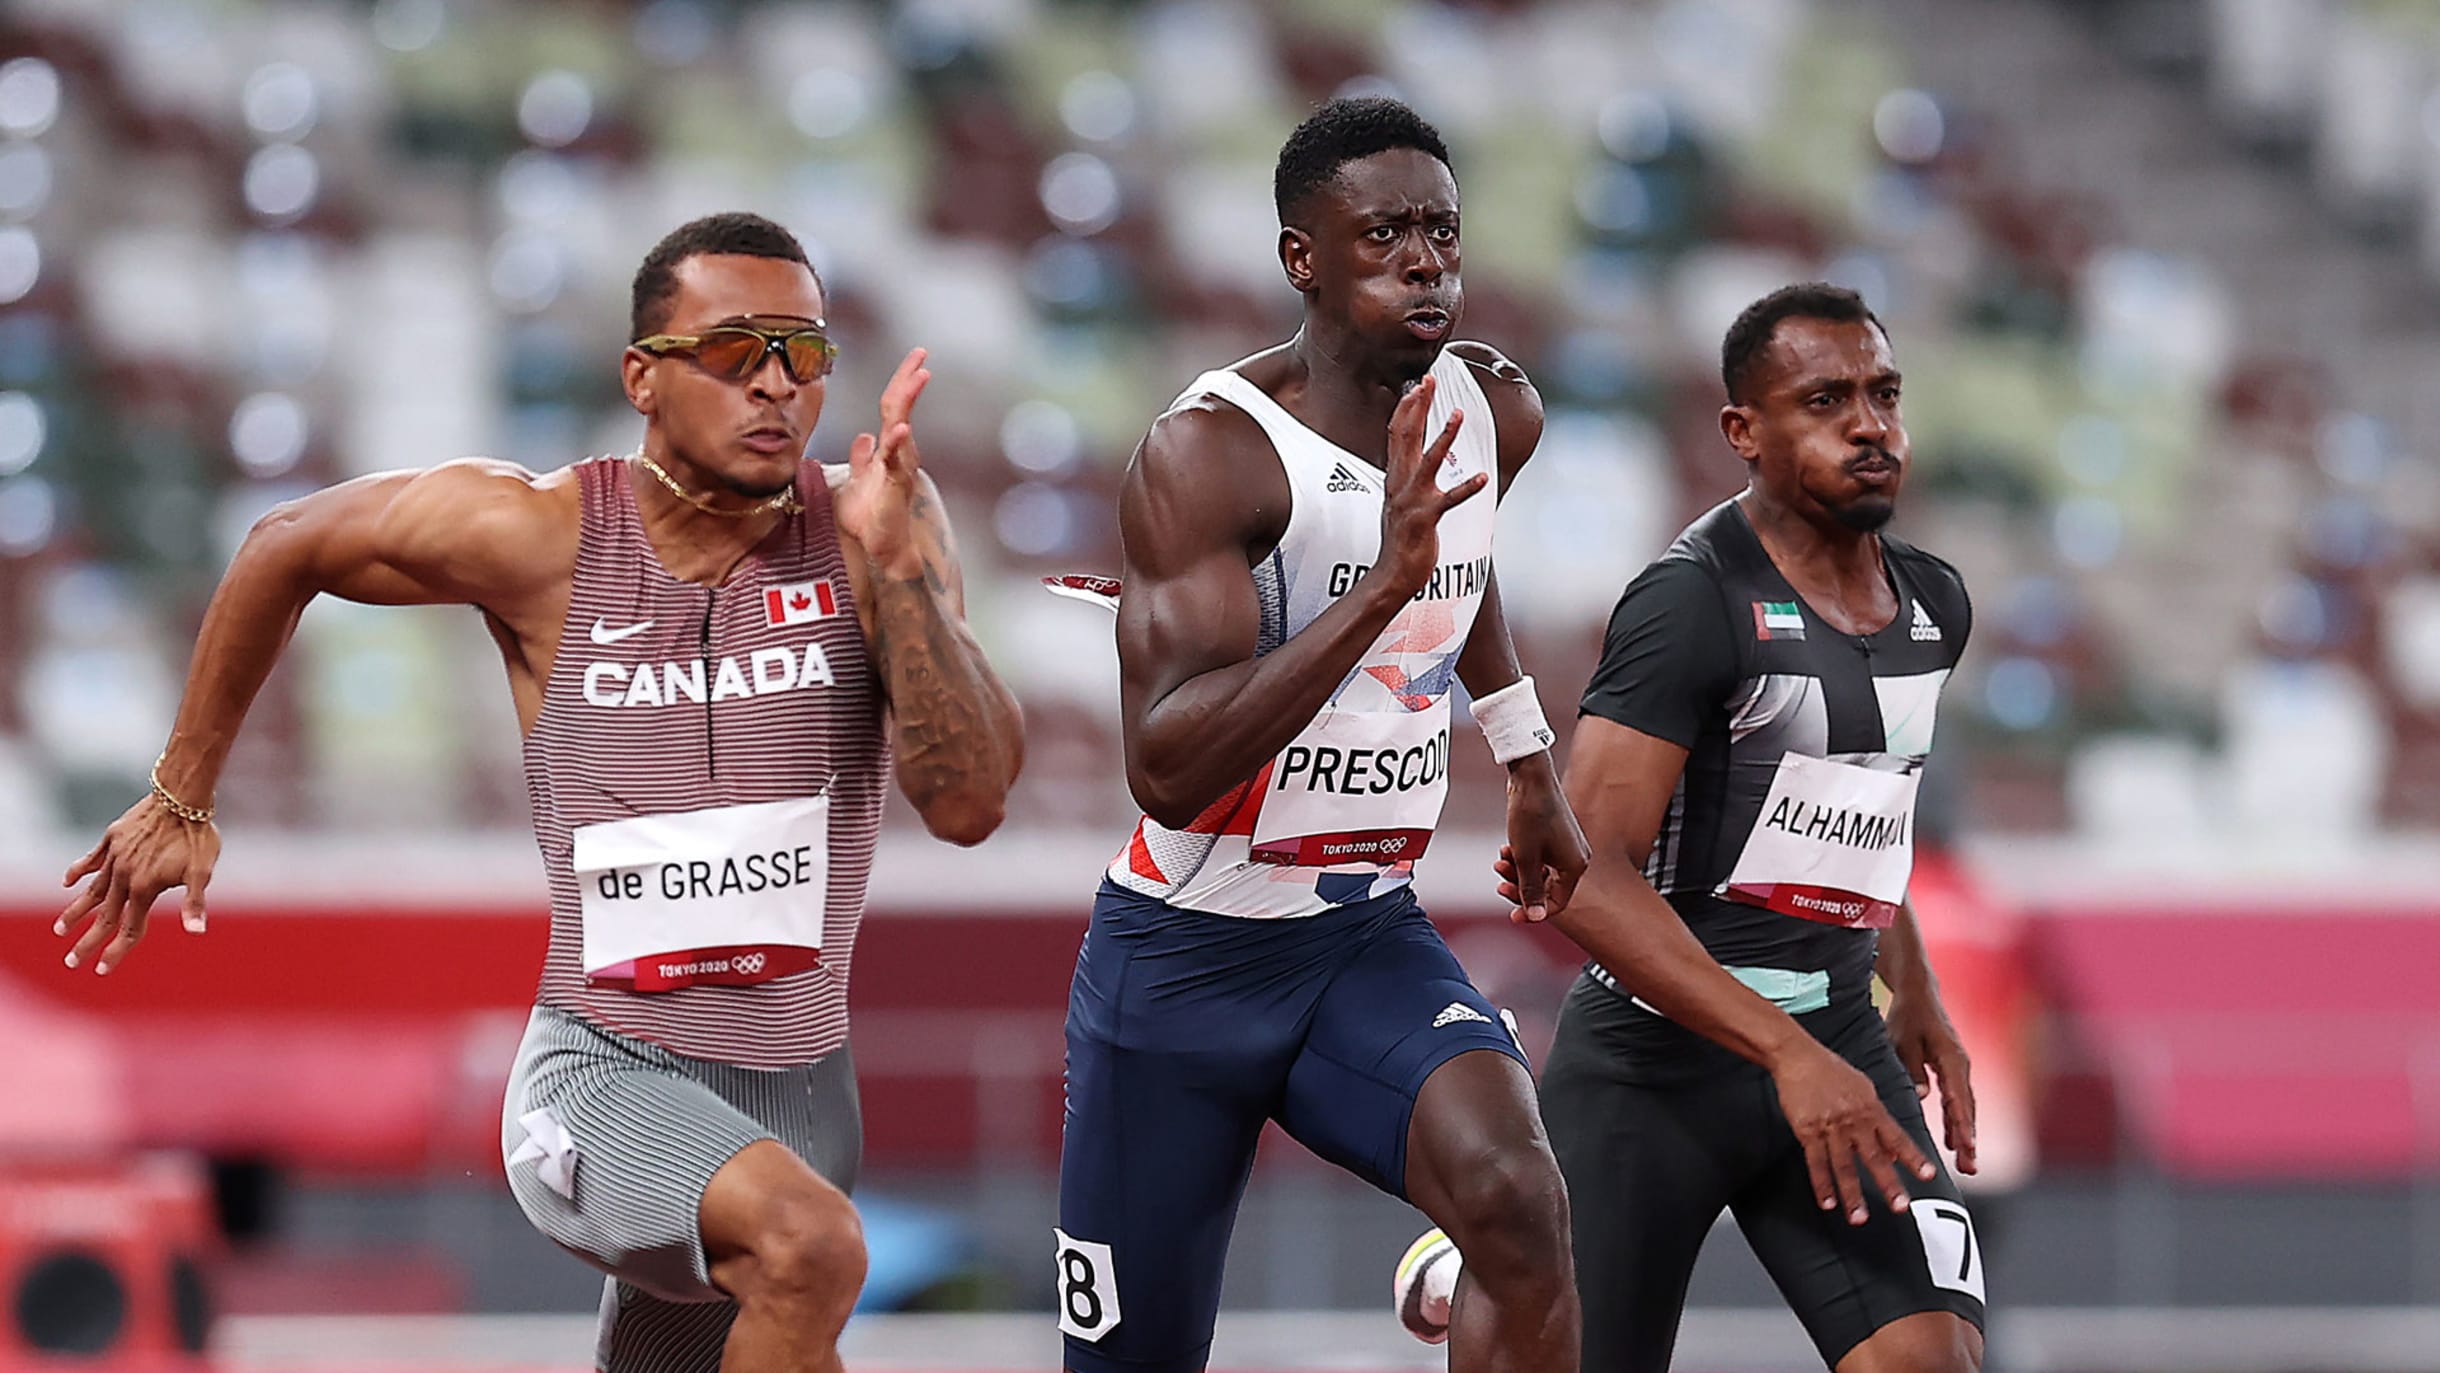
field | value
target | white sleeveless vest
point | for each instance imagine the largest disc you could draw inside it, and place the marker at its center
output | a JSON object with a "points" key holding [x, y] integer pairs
{"points": [[1342, 812]]}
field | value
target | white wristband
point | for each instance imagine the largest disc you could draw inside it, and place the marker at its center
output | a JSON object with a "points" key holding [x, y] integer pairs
{"points": [[1511, 719]]}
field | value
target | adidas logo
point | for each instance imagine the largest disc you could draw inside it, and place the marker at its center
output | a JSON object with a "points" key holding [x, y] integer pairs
{"points": [[1344, 478], [1457, 1011], [1924, 631]]}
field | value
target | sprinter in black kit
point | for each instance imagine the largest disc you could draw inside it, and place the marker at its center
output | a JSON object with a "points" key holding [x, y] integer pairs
{"points": [[1751, 741]]}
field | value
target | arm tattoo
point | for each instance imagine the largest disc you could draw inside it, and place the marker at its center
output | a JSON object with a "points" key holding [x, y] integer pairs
{"points": [[955, 727]]}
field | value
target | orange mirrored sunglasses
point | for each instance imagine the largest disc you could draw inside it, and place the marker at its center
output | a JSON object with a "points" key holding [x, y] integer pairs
{"points": [[734, 352]]}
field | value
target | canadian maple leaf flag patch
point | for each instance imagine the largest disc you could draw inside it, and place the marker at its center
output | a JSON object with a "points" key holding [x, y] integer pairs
{"points": [[799, 603]]}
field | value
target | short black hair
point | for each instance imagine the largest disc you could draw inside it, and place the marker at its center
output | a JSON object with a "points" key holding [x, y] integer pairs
{"points": [[1342, 131], [656, 282], [1752, 333]]}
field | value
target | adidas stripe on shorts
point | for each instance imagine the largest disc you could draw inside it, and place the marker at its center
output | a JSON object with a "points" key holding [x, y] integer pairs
{"points": [[609, 1144]]}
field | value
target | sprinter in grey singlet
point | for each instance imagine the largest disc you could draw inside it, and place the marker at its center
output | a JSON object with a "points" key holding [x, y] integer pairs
{"points": [[716, 650]]}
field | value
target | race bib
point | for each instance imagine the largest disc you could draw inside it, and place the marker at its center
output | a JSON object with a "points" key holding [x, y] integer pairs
{"points": [[1834, 842], [728, 896], [1355, 787]]}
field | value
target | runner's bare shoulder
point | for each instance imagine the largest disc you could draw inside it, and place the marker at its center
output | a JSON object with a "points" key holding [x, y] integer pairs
{"points": [[1202, 430], [1205, 460], [484, 522], [1515, 405], [1490, 364]]}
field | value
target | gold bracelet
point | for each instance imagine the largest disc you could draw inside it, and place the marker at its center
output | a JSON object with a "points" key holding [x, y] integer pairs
{"points": [[190, 814]]}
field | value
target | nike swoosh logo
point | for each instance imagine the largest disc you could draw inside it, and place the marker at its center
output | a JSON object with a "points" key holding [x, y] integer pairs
{"points": [[604, 634]]}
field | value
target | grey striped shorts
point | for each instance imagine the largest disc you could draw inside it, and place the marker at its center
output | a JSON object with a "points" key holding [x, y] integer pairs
{"points": [[609, 1144]]}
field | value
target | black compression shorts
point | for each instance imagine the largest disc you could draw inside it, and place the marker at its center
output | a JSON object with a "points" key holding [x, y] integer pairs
{"points": [[1650, 1166]]}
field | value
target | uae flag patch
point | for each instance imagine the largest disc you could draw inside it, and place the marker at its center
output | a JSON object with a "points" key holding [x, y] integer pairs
{"points": [[1778, 620], [799, 603]]}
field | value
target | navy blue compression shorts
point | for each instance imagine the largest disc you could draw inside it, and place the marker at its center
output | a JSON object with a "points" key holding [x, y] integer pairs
{"points": [[1185, 1033]]}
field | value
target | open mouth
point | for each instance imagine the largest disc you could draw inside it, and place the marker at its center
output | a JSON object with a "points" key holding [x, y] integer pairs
{"points": [[1428, 323]]}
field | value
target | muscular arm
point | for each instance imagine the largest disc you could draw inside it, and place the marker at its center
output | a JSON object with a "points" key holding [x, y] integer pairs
{"points": [[1489, 659], [1545, 849], [1919, 1029], [1667, 663], [1619, 781], [959, 737], [1901, 962], [1488, 662], [472, 532], [1201, 713]]}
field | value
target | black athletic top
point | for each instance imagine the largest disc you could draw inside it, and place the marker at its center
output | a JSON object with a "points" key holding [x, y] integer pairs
{"points": [[1711, 649]]}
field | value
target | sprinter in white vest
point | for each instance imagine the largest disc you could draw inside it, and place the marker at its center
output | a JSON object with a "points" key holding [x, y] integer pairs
{"points": [[1308, 574]]}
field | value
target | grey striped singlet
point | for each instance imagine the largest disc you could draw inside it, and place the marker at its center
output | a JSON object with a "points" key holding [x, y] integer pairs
{"points": [[635, 722]]}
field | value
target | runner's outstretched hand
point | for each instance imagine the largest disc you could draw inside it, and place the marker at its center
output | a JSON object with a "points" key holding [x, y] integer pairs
{"points": [[1413, 500], [877, 507], [1555, 849], [144, 853], [1928, 1045], [1839, 1118]]}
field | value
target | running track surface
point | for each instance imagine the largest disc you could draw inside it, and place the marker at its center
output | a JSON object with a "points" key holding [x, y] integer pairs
{"points": [[2397, 1339]]}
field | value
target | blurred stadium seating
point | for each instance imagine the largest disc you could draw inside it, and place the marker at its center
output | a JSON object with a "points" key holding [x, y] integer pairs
{"points": [[2162, 275], [335, 238]]}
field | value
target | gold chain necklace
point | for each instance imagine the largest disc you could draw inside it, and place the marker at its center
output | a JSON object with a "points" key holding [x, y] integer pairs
{"points": [[784, 503]]}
